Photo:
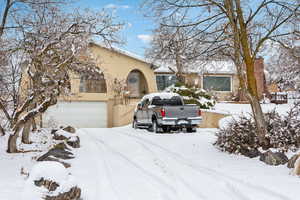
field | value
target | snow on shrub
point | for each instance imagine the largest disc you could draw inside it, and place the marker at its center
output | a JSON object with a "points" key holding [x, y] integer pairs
{"points": [[51, 171], [193, 95], [239, 135]]}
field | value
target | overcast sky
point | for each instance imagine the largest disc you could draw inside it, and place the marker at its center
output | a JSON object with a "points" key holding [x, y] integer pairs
{"points": [[137, 32]]}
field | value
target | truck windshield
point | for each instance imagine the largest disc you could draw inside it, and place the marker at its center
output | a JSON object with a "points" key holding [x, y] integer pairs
{"points": [[174, 101]]}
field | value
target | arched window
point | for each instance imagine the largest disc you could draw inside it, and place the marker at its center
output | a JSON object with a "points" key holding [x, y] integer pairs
{"points": [[137, 84], [92, 84]]}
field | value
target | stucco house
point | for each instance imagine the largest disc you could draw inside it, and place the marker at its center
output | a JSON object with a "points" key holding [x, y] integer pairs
{"points": [[219, 77], [93, 102]]}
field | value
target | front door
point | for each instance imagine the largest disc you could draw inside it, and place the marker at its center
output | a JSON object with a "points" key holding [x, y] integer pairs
{"points": [[133, 83]]}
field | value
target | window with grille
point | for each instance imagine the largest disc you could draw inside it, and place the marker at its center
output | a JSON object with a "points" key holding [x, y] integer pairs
{"points": [[217, 83], [164, 81], [92, 84]]}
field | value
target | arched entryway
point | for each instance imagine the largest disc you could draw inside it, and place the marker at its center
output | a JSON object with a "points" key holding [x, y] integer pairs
{"points": [[137, 84]]}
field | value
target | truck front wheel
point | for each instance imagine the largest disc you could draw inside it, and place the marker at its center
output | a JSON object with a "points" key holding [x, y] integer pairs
{"points": [[155, 126], [134, 124]]}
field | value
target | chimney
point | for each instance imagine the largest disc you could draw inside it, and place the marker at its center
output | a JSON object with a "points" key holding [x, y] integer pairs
{"points": [[260, 77]]}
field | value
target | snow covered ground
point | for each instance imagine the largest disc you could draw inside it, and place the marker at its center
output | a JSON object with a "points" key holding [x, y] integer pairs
{"points": [[127, 164], [13, 165], [232, 108]]}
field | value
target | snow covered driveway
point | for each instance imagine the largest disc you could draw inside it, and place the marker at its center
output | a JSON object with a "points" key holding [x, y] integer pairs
{"points": [[127, 164]]}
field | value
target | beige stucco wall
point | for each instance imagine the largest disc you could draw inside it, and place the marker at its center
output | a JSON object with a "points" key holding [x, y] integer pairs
{"points": [[121, 114], [193, 79], [211, 119], [114, 65]]}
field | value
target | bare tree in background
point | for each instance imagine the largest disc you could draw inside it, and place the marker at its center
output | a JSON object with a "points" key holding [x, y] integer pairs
{"points": [[53, 45], [10, 77], [13, 7], [284, 66], [236, 29], [173, 46]]}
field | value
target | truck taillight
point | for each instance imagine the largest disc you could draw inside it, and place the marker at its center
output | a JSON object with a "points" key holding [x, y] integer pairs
{"points": [[199, 112], [163, 112]]}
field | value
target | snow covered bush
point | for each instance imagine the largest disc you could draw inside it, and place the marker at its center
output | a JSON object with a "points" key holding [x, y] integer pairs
{"points": [[50, 180], [193, 95], [239, 136], [284, 131]]}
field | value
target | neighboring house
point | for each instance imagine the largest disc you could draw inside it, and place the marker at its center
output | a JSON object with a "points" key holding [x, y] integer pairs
{"points": [[93, 102], [219, 77]]}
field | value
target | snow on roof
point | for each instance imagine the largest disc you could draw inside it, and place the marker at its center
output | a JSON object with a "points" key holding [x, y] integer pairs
{"points": [[218, 67], [162, 95], [201, 67], [166, 68], [124, 52]]}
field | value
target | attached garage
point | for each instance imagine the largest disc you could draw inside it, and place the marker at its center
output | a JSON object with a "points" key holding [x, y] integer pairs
{"points": [[78, 114]]}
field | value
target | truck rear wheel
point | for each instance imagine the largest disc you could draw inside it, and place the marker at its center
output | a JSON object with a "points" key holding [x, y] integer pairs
{"points": [[166, 129]]}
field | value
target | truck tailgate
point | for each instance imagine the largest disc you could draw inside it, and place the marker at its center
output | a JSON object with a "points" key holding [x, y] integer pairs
{"points": [[181, 112]]}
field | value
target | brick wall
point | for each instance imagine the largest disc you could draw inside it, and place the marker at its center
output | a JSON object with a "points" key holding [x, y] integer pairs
{"points": [[260, 77]]}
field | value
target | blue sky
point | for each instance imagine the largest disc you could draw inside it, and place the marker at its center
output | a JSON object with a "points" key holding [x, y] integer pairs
{"points": [[137, 31]]}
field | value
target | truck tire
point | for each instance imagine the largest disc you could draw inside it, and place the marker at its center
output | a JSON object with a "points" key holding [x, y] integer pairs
{"points": [[155, 127], [166, 129], [134, 124], [190, 130]]}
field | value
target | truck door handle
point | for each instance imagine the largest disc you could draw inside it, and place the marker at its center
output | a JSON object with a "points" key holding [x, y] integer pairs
{"points": [[181, 108]]}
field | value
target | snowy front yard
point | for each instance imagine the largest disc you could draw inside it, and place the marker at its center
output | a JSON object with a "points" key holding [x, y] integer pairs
{"points": [[122, 163], [236, 109], [127, 164]]}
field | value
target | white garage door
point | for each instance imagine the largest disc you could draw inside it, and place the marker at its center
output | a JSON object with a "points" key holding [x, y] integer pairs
{"points": [[77, 114]]}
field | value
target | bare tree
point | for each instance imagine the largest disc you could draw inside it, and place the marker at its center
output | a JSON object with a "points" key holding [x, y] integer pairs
{"points": [[284, 67], [54, 44], [13, 7], [173, 46], [236, 29], [10, 77]]}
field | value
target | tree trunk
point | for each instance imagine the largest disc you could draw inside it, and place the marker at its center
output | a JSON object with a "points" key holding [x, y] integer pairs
{"points": [[259, 121], [2, 131], [34, 126], [253, 98], [26, 132], [250, 76], [12, 143], [26, 128], [180, 76]]}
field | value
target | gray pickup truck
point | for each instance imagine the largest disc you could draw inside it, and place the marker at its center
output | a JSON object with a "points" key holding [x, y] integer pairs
{"points": [[163, 112]]}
